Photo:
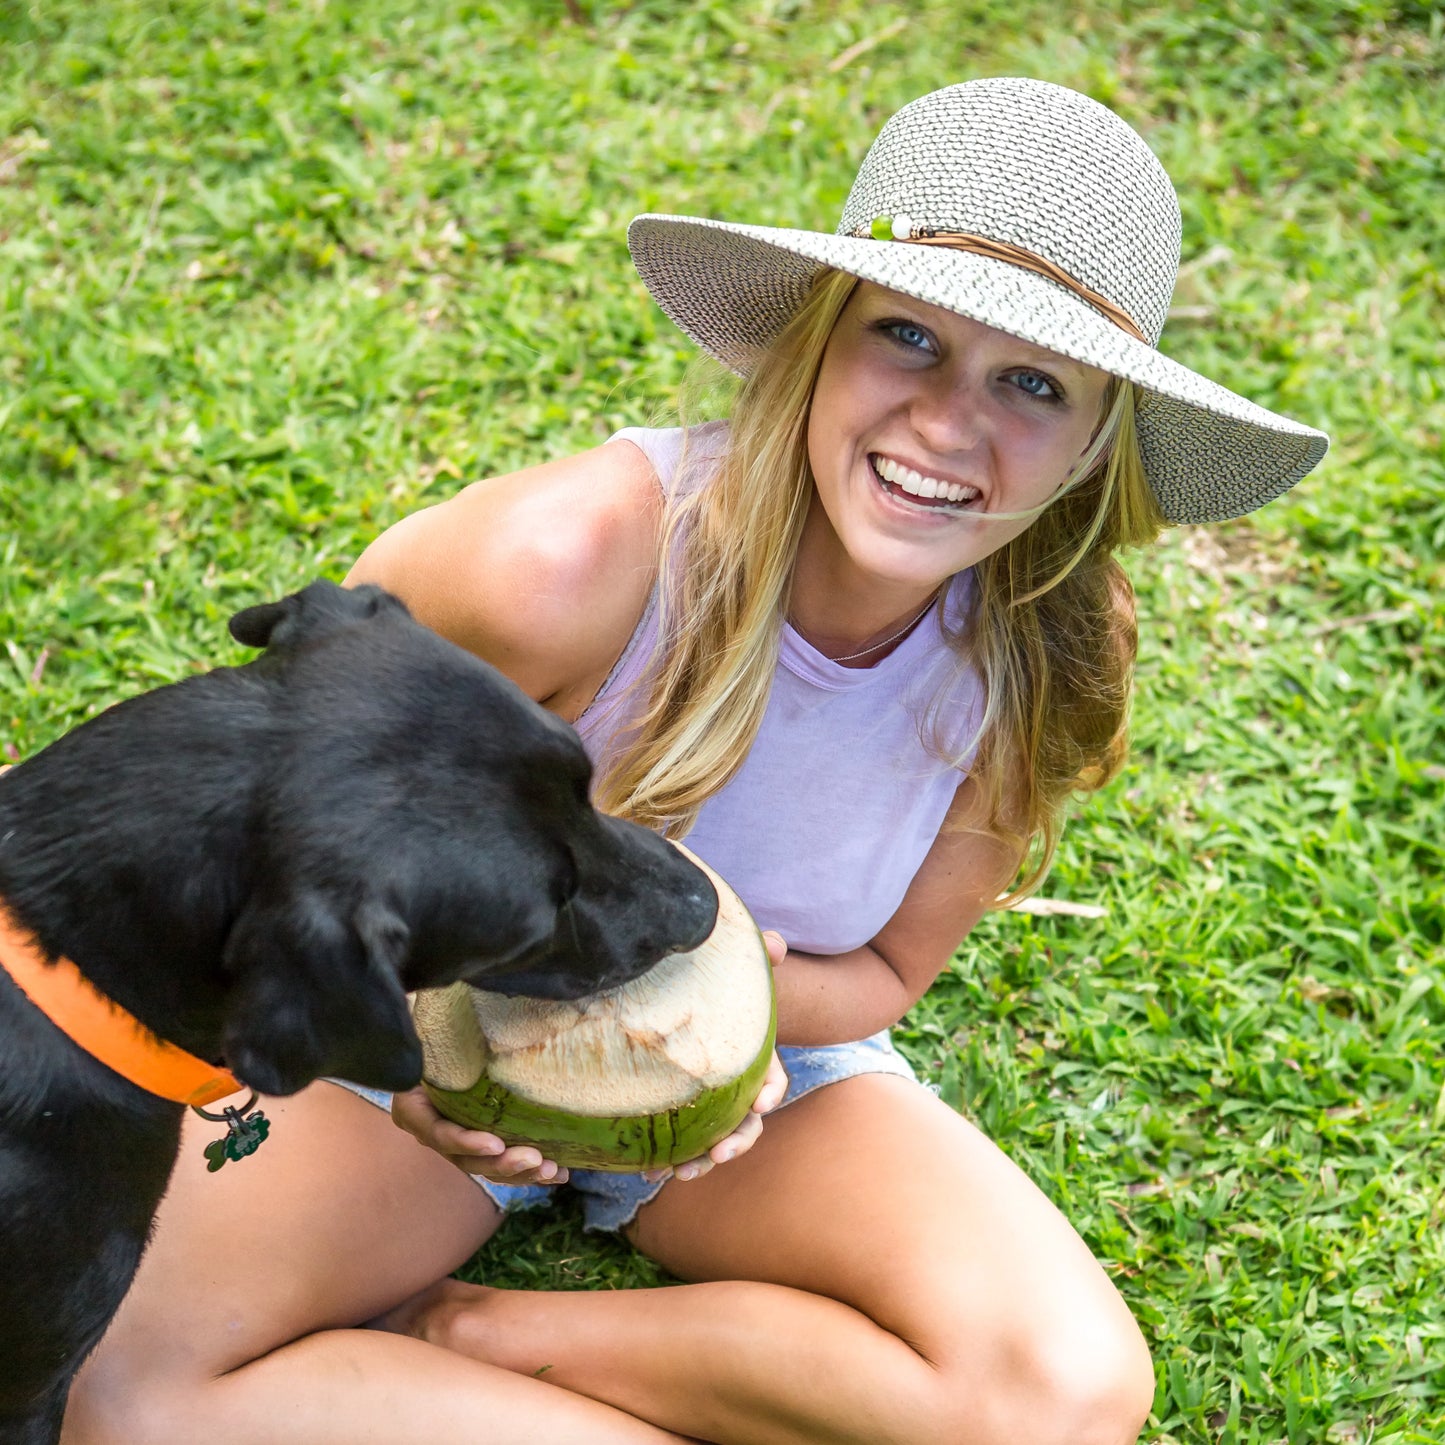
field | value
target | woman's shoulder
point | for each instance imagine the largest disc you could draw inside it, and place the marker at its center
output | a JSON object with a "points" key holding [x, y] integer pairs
{"points": [[543, 572], [682, 458]]}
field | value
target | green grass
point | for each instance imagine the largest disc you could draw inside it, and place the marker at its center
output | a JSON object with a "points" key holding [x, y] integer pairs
{"points": [[275, 275]]}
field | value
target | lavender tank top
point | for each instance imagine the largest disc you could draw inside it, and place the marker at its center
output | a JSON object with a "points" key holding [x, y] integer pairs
{"points": [[825, 824]]}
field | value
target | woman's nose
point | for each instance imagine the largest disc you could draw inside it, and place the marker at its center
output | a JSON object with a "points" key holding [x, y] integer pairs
{"points": [[950, 414]]}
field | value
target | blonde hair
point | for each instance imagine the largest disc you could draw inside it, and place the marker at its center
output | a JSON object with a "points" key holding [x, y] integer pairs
{"points": [[1052, 635], [1050, 631], [726, 569]]}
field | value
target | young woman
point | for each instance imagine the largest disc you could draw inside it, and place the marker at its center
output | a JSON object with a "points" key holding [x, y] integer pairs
{"points": [[858, 644]]}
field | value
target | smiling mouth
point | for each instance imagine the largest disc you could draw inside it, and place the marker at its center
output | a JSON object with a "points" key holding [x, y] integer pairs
{"points": [[930, 493]]}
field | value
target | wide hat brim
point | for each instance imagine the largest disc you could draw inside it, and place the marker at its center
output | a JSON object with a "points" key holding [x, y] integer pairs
{"points": [[1209, 454]]}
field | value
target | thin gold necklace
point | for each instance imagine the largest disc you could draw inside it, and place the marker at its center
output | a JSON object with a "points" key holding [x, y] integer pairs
{"points": [[877, 646]]}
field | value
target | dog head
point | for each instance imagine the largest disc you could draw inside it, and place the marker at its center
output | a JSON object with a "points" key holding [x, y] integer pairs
{"points": [[421, 820]]}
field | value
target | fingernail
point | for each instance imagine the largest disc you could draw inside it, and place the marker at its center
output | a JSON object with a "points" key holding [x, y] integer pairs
{"points": [[726, 1155]]}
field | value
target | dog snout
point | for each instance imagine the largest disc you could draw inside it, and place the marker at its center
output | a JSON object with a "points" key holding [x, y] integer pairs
{"points": [[609, 941], [681, 902], [553, 983], [637, 900], [679, 924], [669, 916], [697, 914]]}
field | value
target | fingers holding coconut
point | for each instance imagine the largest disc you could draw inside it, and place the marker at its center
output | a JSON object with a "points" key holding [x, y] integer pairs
{"points": [[516, 1164], [473, 1151], [775, 1085], [776, 947]]}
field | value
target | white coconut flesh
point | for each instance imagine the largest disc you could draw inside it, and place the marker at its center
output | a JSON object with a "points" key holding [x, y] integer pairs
{"points": [[652, 1073]]}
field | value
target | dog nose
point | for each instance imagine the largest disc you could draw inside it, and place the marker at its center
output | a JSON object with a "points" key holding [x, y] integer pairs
{"points": [[698, 917], [684, 925]]}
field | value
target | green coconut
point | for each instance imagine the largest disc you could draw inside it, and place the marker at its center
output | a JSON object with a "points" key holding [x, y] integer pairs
{"points": [[639, 1077]]}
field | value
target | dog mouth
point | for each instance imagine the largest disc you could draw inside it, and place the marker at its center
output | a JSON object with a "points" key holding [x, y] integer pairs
{"points": [[913, 488], [555, 987]]}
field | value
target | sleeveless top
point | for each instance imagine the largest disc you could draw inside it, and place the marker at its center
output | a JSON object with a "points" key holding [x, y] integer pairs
{"points": [[842, 794]]}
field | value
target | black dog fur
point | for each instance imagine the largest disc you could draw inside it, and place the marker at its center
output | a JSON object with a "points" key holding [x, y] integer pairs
{"points": [[258, 863]]}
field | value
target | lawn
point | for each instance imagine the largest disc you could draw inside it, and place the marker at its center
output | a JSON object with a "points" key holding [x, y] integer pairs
{"points": [[275, 275]]}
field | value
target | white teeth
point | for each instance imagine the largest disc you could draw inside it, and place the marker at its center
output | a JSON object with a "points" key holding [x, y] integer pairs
{"points": [[918, 485]]}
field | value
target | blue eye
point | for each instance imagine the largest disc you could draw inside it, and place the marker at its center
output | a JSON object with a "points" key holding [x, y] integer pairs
{"points": [[1035, 383], [915, 338]]}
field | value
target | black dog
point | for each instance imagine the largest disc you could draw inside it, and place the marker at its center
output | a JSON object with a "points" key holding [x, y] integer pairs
{"points": [[258, 863]]}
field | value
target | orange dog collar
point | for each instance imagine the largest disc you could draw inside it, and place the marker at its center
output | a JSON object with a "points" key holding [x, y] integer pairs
{"points": [[103, 1028]]}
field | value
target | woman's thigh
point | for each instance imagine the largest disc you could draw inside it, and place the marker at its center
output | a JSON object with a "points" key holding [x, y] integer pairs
{"points": [[337, 1217], [874, 1193]]}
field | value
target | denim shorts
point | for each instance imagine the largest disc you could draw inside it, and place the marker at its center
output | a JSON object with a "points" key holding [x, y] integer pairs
{"points": [[611, 1201]]}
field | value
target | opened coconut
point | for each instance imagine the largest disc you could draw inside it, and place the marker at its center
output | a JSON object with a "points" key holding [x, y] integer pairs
{"points": [[646, 1075]]}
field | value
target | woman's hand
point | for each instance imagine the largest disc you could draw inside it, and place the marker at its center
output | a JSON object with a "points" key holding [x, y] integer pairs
{"points": [[472, 1150], [775, 1085]]}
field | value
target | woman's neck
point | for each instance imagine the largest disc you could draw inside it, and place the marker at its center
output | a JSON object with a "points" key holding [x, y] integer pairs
{"points": [[848, 615]]}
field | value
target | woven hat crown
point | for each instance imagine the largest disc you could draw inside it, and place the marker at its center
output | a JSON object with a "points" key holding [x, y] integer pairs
{"points": [[1037, 166]]}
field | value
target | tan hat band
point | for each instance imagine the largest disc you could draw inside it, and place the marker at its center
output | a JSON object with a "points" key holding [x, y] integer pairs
{"points": [[1017, 256]]}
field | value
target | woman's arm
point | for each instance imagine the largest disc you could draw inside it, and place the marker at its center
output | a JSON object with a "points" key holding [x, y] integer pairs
{"points": [[543, 572], [852, 995]]}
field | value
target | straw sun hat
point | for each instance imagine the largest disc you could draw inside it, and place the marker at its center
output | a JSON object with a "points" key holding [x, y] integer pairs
{"points": [[1027, 207]]}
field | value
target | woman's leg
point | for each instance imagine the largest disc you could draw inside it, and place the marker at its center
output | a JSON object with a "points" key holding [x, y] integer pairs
{"points": [[875, 1271], [242, 1323]]}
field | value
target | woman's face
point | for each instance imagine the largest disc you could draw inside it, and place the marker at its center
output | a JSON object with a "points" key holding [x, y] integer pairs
{"points": [[913, 400]]}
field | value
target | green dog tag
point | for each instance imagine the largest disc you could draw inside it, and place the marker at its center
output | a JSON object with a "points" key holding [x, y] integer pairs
{"points": [[245, 1133]]}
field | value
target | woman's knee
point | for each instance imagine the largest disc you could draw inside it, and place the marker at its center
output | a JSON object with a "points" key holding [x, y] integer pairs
{"points": [[1089, 1386], [1087, 1381]]}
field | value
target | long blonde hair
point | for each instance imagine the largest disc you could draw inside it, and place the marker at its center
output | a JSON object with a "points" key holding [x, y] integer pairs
{"points": [[1052, 636], [726, 568], [1050, 631]]}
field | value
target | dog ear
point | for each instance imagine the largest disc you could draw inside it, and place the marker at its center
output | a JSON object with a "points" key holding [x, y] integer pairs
{"points": [[317, 608], [317, 994], [254, 625]]}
